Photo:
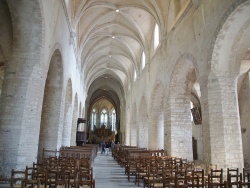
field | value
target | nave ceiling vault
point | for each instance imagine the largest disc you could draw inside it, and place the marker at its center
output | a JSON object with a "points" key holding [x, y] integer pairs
{"points": [[111, 37]]}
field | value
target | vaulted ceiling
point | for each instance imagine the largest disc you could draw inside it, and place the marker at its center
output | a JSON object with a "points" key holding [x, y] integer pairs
{"points": [[111, 36]]}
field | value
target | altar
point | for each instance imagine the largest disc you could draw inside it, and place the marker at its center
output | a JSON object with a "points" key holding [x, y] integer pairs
{"points": [[103, 134]]}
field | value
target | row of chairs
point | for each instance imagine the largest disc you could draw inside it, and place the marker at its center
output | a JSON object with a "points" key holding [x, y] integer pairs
{"points": [[165, 171], [55, 171], [184, 177], [52, 179]]}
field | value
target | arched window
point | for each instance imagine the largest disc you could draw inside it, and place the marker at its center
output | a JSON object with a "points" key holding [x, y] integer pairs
{"points": [[113, 119], [93, 119], [143, 60], [156, 36], [135, 76], [104, 117], [191, 107]]}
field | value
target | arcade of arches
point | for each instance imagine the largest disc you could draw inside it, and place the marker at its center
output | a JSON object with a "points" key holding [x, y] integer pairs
{"points": [[167, 74]]}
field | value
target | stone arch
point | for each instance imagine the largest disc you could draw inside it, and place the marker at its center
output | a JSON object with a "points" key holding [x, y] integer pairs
{"points": [[66, 132], [179, 125], [74, 122], [232, 42], [133, 126], [230, 49], [156, 126], [51, 108], [142, 128]]}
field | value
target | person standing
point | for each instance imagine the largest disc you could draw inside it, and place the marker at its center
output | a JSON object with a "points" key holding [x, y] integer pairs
{"points": [[107, 148], [103, 147], [112, 145]]}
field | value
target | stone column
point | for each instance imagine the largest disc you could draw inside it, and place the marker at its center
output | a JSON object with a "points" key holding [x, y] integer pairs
{"points": [[205, 120], [23, 87], [225, 132], [180, 135]]}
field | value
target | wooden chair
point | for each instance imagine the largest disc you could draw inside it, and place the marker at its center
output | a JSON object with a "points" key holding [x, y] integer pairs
{"points": [[85, 179], [200, 166], [179, 180], [61, 183], [84, 183], [38, 166], [141, 170], [5, 182], [245, 179], [131, 167], [63, 176], [197, 178], [215, 179], [148, 179], [50, 179], [39, 175], [184, 161], [17, 177], [29, 172], [54, 178], [233, 177], [31, 183], [71, 171], [159, 180]]}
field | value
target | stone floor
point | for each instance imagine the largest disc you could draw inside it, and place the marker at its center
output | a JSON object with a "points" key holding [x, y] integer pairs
{"points": [[108, 174]]}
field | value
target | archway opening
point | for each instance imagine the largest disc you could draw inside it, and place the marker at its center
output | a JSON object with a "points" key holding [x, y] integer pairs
{"points": [[50, 118]]}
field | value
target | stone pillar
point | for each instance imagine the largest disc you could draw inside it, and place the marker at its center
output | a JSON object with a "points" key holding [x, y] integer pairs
{"points": [[133, 133], [23, 87], [156, 129], [143, 132], [225, 132], [152, 130], [127, 128], [167, 128], [205, 120], [67, 125], [181, 127], [74, 122]]}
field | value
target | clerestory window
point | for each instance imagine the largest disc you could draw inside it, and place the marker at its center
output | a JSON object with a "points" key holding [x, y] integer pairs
{"points": [[156, 36], [104, 117], [143, 61], [93, 119], [113, 119]]}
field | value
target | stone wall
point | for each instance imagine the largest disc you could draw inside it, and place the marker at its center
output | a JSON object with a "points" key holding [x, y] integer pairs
{"points": [[194, 36]]}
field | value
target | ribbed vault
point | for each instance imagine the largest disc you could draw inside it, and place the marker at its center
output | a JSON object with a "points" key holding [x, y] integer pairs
{"points": [[111, 36]]}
